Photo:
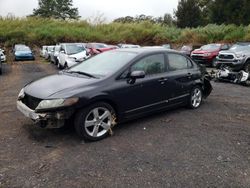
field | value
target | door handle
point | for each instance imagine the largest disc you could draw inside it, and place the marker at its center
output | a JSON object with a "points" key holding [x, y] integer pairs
{"points": [[189, 75], [163, 80]]}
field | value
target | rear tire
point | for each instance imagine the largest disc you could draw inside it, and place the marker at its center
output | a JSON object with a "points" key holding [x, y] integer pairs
{"points": [[196, 97], [94, 122]]}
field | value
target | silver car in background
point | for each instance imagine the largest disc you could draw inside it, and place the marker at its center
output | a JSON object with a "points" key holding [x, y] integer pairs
{"points": [[54, 55], [43, 51]]}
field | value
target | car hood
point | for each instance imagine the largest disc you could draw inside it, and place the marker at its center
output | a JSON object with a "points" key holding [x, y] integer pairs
{"points": [[199, 51], [61, 85], [235, 52]]}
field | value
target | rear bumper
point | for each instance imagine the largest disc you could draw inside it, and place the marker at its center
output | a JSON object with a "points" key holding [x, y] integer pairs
{"points": [[45, 120], [24, 58]]}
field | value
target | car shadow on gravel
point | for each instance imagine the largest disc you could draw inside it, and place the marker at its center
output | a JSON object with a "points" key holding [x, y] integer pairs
{"points": [[42, 135], [68, 134]]}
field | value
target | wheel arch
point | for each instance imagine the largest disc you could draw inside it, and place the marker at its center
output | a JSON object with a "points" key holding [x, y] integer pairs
{"points": [[101, 98], [205, 85], [247, 60]]}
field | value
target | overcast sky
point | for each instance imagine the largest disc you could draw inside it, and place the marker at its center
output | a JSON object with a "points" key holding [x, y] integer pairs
{"points": [[111, 9]]}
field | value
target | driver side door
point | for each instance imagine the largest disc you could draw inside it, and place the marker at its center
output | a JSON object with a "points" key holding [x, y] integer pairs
{"points": [[146, 94]]}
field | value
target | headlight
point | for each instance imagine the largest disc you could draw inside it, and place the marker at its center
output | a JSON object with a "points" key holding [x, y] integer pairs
{"points": [[56, 103], [72, 58], [21, 94], [80, 59], [240, 56]]}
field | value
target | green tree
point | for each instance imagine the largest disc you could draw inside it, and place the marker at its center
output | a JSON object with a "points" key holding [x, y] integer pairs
{"points": [[188, 14], [230, 12], [58, 9]]}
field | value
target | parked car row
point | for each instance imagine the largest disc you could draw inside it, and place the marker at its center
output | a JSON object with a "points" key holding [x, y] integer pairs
{"points": [[65, 55], [217, 55], [2, 59]]}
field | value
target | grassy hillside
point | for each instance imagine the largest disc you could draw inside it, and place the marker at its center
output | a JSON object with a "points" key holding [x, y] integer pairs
{"points": [[38, 32]]}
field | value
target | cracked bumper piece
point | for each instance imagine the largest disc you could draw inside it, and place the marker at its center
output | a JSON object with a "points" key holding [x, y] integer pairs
{"points": [[45, 120]]}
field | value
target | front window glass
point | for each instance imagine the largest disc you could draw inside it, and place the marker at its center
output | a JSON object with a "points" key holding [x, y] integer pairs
{"points": [[105, 64], [154, 64]]}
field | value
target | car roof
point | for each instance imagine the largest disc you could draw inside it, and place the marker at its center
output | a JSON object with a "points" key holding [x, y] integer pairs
{"points": [[243, 43], [146, 50]]}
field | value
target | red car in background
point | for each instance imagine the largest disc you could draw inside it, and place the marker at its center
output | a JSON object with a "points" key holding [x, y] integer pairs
{"points": [[97, 48], [207, 54]]}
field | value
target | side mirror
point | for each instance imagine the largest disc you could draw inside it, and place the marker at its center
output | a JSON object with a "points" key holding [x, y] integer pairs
{"points": [[137, 74]]}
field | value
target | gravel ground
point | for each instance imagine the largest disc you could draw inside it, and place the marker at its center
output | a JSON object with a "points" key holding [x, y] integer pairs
{"points": [[208, 147]]}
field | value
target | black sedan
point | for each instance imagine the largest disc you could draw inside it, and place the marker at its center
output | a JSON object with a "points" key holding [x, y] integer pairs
{"points": [[114, 87]]}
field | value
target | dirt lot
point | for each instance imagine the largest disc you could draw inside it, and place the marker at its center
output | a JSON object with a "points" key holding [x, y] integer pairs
{"points": [[208, 147]]}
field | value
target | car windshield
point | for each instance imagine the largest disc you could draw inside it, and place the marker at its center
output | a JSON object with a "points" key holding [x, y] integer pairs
{"points": [[238, 47], [166, 46], [211, 47], [74, 49], [24, 49], [99, 45], [104, 64]]}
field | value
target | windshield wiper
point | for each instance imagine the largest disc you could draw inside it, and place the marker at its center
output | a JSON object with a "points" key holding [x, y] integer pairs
{"points": [[82, 73]]}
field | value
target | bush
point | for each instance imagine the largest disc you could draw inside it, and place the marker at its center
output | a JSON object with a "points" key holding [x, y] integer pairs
{"points": [[38, 31]]}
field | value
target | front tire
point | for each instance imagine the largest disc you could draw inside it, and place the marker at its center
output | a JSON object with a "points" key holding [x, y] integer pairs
{"points": [[59, 66], [93, 123], [196, 97], [65, 66]]}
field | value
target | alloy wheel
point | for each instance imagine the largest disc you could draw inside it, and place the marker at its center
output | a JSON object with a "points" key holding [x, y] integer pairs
{"points": [[98, 122], [196, 98]]}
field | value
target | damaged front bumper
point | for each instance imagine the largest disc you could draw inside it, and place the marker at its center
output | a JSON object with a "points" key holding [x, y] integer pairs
{"points": [[45, 120]]}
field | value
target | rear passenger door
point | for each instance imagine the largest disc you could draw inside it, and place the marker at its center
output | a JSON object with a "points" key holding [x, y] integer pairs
{"points": [[180, 77]]}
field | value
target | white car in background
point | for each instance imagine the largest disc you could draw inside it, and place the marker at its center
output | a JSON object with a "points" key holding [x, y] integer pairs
{"points": [[48, 51], [2, 59], [71, 54], [2, 55], [43, 51]]}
